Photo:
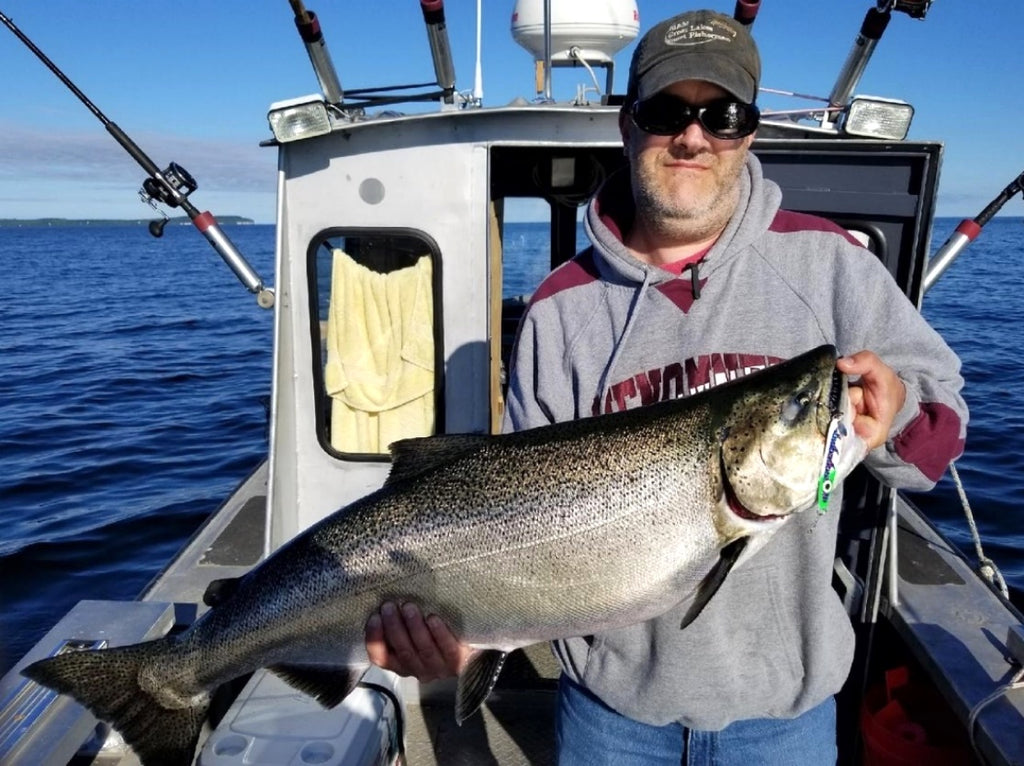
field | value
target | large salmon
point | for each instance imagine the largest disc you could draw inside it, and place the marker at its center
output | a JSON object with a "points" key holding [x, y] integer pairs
{"points": [[565, 530]]}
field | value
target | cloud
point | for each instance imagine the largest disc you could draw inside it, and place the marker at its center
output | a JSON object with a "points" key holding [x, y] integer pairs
{"points": [[94, 157]]}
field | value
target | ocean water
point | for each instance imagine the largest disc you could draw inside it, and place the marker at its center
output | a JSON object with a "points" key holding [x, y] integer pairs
{"points": [[134, 376], [133, 383], [978, 307]]}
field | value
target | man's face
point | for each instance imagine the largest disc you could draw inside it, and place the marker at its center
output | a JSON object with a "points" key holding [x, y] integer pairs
{"points": [[685, 185]]}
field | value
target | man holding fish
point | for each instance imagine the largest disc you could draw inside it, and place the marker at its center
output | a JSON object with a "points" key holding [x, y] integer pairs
{"points": [[696, 277]]}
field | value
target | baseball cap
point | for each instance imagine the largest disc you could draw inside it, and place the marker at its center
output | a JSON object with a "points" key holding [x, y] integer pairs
{"points": [[696, 45]]}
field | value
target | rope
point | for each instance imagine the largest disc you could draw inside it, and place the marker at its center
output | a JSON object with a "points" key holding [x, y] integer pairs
{"points": [[990, 572], [1016, 682], [986, 567]]}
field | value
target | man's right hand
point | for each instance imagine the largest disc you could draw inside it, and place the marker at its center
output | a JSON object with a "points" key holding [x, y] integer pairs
{"points": [[403, 641]]}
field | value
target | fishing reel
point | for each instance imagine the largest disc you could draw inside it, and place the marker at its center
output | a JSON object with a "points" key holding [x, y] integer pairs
{"points": [[916, 9], [177, 184]]}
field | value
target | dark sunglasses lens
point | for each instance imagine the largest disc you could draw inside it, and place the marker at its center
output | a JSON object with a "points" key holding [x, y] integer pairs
{"points": [[664, 115], [730, 119]]}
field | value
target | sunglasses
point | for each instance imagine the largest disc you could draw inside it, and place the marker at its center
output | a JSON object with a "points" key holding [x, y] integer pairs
{"points": [[665, 115]]}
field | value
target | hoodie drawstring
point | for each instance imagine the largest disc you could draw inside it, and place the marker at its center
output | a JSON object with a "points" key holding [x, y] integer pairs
{"points": [[694, 278], [630, 321]]}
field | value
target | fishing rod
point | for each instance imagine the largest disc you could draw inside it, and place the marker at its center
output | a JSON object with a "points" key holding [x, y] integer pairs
{"points": [[967, 231], [171, 186]]}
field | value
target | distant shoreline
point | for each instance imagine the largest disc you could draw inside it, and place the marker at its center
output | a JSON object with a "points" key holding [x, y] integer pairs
{"points": [[239, 220], [43, 222]]}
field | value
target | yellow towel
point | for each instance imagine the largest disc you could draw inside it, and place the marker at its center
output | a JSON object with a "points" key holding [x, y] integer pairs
{"points": [[380, 354]]}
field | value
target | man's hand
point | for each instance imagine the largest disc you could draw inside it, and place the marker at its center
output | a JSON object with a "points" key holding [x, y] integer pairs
{"points": [[876, 398], [402, 641]]}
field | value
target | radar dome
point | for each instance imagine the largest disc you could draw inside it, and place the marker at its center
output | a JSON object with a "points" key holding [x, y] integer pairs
{"points": [[599, 28]]}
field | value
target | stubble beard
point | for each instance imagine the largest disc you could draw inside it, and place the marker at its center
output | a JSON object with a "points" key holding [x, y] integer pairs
{"points": [[685, 213]]}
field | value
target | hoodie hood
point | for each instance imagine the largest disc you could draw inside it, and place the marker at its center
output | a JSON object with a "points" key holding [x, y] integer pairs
{"points": [[611, 212]]}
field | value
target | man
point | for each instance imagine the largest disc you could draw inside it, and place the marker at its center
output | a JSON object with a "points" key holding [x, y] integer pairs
{"points": [[696, 276]]}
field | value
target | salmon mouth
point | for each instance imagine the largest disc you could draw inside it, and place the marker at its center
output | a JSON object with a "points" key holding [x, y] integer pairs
{"points": [[837, 395]]}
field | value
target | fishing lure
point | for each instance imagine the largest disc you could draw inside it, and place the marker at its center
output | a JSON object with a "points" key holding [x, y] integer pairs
{"points": [[827, 482]]}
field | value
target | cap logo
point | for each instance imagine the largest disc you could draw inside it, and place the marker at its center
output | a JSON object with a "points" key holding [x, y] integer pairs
{"points": [[685, 33]]}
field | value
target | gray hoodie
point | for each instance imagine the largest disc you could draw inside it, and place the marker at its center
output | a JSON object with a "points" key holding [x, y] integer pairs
{"points": [[605, 332]]}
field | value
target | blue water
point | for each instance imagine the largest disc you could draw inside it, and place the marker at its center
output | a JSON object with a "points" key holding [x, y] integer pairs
{"points": [[132, 387], [135, 374], [978, 307]]}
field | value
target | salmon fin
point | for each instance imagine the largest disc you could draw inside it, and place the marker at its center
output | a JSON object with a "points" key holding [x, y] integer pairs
{"points": [[219, 591], [327, 685], [713, 581], [476, 681], [415, 457], [106, 682]]}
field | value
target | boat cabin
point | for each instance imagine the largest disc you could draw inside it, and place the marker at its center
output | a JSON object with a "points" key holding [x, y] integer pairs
{"points": [[399, 228]]}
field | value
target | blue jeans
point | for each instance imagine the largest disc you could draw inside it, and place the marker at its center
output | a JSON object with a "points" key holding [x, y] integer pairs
{"points": [[589, 733]]}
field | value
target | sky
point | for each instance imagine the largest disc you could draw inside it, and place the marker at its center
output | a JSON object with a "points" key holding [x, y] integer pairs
{"points": [[191, 82]]}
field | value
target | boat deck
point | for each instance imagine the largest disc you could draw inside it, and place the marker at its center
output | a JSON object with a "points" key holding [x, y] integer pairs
{"points": [[515, 726]]}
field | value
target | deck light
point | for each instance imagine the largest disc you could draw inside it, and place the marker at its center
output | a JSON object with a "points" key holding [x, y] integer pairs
{"points": [[872, 117], [299, 118]]}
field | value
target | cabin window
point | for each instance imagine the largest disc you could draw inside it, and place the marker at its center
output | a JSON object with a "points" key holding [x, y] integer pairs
{"points": [[538, 195], [528, 237], [527, 257], [376, 329]]}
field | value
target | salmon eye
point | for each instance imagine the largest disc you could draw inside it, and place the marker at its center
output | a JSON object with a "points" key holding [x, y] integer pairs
{"points": [[795, 408]]}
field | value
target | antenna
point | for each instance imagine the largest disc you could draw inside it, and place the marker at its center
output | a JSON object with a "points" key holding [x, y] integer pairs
{"points": [[478, 81], [547, 50]]}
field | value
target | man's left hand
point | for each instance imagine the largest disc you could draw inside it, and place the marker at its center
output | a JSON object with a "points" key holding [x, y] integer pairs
{"points": [[876, 398]]}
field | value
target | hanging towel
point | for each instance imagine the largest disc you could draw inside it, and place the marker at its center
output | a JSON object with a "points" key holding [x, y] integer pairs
{"points": [[380, 354]]}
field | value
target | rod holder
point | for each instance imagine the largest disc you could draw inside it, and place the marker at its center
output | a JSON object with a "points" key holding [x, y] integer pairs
{"points": [[875, 22], [440, 48], [308, 26]]}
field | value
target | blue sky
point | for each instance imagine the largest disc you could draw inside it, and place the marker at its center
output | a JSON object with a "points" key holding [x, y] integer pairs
{"points": [[191, 81]]}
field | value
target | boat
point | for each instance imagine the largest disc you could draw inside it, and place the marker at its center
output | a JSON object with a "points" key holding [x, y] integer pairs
{"points": [[362, 185]]}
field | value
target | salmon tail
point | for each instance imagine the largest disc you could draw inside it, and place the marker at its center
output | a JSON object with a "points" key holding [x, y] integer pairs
{"points": [[106, 681]]}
